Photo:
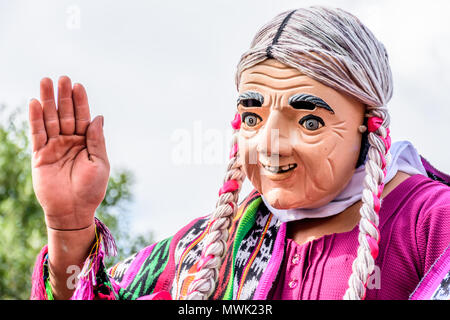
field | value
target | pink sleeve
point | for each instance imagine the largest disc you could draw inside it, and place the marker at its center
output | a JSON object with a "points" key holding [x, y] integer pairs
{"points": [[433, 228]]}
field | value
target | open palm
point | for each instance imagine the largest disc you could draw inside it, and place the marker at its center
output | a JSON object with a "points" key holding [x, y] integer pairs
{"points": [[70, 166]]}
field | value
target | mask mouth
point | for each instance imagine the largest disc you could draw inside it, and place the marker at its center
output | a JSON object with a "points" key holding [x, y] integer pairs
{"points": [[279, 169]]}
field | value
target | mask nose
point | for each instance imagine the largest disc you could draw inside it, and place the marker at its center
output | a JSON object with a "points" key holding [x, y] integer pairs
{"points": [[275, 138]]}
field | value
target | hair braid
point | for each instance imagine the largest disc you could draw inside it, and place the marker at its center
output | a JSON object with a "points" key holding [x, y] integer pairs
{"points": [[369, 237], [214, 243]]}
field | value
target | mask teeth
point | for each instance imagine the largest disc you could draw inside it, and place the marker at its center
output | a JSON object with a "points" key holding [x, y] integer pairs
{"points": [[278, 169]]}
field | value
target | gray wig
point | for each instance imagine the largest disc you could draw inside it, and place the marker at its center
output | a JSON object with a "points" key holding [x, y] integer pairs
{"points": [[335, 48]]}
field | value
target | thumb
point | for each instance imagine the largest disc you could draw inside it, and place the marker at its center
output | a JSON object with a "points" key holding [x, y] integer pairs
{"points": [[95, 139]]}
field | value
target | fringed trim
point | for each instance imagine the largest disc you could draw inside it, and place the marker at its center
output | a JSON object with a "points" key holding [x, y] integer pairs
{"points": [[38, 289], [87, 279], [107, 238]]}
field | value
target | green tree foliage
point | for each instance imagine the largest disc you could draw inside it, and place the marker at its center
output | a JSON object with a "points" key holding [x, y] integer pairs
{"points": [[22, 225]]}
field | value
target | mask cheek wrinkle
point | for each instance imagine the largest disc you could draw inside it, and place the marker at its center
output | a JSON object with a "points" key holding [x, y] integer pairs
{"points": [[339, 129], [322, 173]]}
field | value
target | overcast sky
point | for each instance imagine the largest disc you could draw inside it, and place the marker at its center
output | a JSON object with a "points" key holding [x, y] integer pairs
{"points": [[156, 69]]}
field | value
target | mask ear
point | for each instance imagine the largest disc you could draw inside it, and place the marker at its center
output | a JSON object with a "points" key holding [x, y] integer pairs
{"points": [[364, 146]]}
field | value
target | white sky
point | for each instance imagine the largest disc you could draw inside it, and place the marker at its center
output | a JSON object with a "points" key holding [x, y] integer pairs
{"points": [[155, 67]]}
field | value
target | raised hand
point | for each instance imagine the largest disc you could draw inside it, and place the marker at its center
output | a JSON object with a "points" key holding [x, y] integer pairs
{"points": [[70, 165]]}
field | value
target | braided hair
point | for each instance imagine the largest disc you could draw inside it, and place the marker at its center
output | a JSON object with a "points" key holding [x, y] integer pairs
{"points": [[333, 47], [214, 243]]}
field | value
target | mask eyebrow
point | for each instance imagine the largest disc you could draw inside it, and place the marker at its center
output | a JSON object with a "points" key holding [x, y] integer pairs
{"points": [[310, 102], [249, 95]]}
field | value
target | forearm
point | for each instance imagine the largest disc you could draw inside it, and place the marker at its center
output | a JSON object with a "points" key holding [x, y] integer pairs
{"points": [[65, 249]]}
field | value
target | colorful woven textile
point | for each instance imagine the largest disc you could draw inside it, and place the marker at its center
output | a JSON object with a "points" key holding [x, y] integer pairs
{"points": [[251, 266]]}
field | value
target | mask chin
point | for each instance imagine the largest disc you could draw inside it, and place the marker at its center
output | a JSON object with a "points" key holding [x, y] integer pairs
{"points": [[290, 202]]}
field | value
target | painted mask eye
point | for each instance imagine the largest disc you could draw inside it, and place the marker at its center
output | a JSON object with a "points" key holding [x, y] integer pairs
{"points": [[311, 122], [251, 119]]}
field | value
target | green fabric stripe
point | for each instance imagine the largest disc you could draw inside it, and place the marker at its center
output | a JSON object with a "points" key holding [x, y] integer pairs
{"points": [[247, 221], [48, 289], [152, 270]]}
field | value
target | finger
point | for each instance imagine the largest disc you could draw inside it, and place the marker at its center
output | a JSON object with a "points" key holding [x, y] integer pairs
{"points": [[95, 140], [37, 126], [65, 106], [81, 106], [51, 120]]}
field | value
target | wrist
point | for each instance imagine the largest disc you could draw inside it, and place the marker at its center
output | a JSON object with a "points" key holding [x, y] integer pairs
{"points": [[70, 222], [77, 229], [68, 247], [67, 253]]}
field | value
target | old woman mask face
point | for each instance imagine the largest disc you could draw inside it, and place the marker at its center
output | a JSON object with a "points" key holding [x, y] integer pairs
{"points": [[299, 140]]}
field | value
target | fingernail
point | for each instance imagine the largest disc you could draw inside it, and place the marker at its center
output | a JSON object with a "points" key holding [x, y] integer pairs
{"points": [[103, 121]]}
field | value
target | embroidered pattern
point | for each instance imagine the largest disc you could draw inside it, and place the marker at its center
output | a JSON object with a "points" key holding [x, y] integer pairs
{"points": [[118, 270], [187, 252], [443, 290], [145, 280], [250, 262]]}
